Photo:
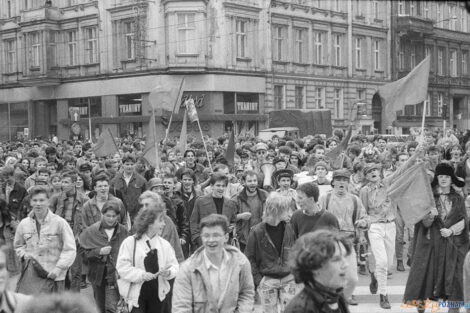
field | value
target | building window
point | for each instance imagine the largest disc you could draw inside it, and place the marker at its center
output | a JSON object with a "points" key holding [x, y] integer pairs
{"points": [[35, 49], [299, 97], [412, 8], [401, 7], [241, 39], [279, 53], [279, 97], [426, 9], [428, 104], [52, 55], [10, 55], [299, 45], [358, 7], [453, 63], [361, 94], [320, 98], [377, 55], [337, 5], [358, 53], [129, 42], [440, 15], [452, 17], [463, 20], [464, 63], [401, 57], [413, 57], [440, 61], [318, 51], [91, 45], [440, 103], [428, 51], [376, 9], [337, 49], [72, 47], [338, 103], [186, 30]]}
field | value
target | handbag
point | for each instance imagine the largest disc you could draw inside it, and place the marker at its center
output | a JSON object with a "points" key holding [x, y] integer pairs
{"points": [[124, 287]]}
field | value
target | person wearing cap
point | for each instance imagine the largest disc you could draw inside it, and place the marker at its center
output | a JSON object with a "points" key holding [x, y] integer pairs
{"points": [[353, 220], [441, 242], [85, 170], [382, 231]]}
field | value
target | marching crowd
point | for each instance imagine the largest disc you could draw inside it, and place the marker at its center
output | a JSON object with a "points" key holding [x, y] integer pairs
{"points": [[288, 223]]}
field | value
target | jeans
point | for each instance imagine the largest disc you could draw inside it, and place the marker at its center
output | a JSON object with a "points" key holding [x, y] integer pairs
{"points": [[106, 297], [275, 293], [75, 273], [382, 244]]}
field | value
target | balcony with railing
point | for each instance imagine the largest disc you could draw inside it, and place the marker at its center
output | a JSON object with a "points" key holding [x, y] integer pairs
{"points": [[415, 25]]}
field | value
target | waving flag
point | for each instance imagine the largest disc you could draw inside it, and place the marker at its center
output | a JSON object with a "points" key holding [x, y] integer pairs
{"points": [[106, 145], [184, 134], [151, 147], [411, 89], [230, 153]]}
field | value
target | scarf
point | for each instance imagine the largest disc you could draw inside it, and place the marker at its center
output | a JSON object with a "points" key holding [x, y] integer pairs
{"points": [[92, 237], [330, 295]]}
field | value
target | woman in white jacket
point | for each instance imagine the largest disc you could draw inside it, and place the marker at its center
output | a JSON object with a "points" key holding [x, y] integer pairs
{"points": [[146, 262]]}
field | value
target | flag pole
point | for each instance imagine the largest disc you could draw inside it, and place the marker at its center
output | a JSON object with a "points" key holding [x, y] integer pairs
{"points": [[177, 101], [422, 122], [204, 142], [157, 163], [89, 120]]}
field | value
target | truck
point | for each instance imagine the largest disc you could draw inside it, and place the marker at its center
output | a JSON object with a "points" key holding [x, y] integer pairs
{"points": [[308, 122]]}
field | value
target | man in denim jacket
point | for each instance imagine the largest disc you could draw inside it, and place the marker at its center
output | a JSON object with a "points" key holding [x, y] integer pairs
{"points": [[47, 239]]}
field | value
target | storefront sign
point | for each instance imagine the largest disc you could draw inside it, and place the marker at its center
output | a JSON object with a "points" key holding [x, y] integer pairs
{"points": [[198, 99], [130, 108], [247, 107]]}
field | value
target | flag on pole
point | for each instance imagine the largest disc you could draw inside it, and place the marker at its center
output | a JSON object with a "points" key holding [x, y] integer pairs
{"points": [[106, 145], [191, 109], [334, 154], [230, 153], [411, 191], [151, 146], [411, 89], [184, 134]]}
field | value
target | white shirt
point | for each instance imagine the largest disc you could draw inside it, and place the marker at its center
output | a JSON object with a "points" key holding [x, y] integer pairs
{"points": [[217, 275], [109, 232]]}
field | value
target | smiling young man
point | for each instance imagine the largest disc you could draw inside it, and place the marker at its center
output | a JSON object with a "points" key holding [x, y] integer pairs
{"points": [[214, 203], [217, 277], [48, 239], [250, 205]]}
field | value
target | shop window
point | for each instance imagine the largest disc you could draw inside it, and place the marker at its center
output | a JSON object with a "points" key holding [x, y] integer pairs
{"points": [[229, 103], [13, 120], [130, 105], [82, 104]]}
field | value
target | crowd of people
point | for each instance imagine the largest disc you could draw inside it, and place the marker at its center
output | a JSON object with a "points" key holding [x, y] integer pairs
{"points": [[288, 223]]}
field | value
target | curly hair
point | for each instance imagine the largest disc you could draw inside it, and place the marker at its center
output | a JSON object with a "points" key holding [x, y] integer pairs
{"points": [[313, 250]]}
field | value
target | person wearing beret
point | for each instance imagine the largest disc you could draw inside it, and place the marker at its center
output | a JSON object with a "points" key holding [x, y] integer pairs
{"points": [[440, 243]]}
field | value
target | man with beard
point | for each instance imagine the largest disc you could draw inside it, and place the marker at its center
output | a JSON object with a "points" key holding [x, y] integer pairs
{"points": [[352, 217], [214, 203], [250, 205]]}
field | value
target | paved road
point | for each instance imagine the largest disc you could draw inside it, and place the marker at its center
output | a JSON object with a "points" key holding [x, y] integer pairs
{"points": [[367, 303]]}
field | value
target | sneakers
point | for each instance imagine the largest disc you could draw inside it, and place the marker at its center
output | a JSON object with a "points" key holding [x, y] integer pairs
{"points": [[352, 301], [400, 266], [373, 286], [384, 304]]}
